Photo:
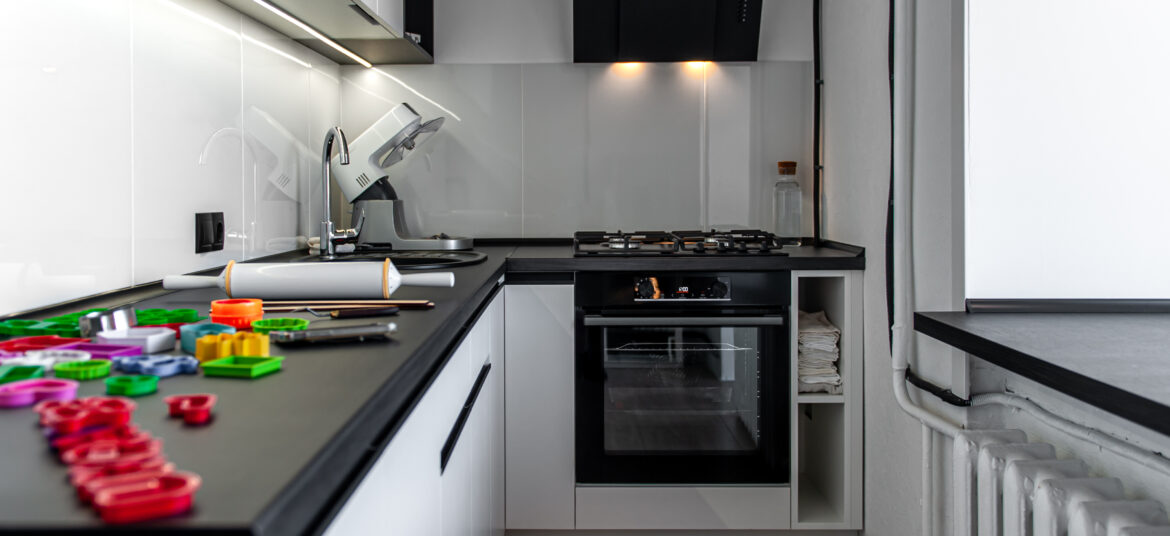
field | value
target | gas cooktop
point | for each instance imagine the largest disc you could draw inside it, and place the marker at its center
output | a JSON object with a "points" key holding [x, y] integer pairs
{"points": [[686, 243]]}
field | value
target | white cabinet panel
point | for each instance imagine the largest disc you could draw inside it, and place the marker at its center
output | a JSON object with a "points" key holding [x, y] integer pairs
{"points": [[496, 380], [538, 392], [711, 508], [392, 13]]}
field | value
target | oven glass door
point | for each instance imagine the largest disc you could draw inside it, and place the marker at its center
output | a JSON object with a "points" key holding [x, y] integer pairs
{"points": [[683, 400]]}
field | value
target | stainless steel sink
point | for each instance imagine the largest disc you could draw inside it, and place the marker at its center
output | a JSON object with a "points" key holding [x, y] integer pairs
{"points": [[410, 260]]}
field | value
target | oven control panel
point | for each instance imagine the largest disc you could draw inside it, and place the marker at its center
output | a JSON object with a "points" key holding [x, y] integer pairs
{"points": [[681, 288]]}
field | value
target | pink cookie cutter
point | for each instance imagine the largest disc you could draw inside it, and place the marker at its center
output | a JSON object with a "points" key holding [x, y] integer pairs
{"points": [[29, 392]]}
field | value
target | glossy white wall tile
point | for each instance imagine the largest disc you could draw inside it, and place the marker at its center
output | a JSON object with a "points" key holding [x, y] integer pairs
{"points": [[543, 150], [465, 180], [186, 143], [66, 101], [125, 96]]}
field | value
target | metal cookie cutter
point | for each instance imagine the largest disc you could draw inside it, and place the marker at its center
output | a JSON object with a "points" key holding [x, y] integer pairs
{"points": [[98, 321]]}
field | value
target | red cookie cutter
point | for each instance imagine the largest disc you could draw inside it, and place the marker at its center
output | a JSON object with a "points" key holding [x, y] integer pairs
{"points": [[125, 431], [118, 453], [40, 342], [93, 411], [90, 487], [147, 499], [28, 392], [194, 409], [80, 476]]}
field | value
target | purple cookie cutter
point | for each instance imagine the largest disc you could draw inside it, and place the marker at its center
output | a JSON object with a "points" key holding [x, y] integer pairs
{"points": [[29, 392], [103, 351]]}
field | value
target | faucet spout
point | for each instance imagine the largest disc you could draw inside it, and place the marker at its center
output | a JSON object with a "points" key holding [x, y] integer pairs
{"points": [[328, 234]]}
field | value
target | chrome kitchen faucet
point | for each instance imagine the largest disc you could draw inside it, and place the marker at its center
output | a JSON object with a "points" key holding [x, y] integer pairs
{"points": [[328, 234]]}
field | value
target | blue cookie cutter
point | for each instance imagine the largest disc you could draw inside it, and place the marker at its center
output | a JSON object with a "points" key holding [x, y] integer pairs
{"points": [[157, 365], [190, 333]]}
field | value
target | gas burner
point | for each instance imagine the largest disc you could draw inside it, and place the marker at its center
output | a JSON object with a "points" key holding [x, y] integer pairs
{"points": [[693, 243]]}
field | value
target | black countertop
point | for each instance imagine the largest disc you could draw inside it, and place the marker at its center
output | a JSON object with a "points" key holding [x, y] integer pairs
{"points": [[284, 451], [1118, 362]]}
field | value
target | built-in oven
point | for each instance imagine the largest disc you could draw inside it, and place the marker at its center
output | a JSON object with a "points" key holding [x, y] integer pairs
{"points": [[682, 378]]}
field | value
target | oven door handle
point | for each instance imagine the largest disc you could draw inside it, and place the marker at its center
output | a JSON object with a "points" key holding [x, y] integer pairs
{"points": [[598, 320]]}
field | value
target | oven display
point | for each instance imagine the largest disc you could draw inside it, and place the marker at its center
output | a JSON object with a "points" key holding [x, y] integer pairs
{"points": [[681, 288]]}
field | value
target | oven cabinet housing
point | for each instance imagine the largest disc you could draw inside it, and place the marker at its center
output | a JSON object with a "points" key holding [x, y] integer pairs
{"points": [[539, 407], [827, 479], [406, 491]]}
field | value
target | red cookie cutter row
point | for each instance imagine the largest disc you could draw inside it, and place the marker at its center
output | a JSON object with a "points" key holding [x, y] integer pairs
{"points": [[148, 498], [194, 409], [68, 417]]}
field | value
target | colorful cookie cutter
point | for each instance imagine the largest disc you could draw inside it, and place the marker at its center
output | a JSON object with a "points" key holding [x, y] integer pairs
{"points": [[16, 326], [48, 358], [151, 340], [15, 373], [82, 370], [137, 385], [279, 324], [69, 417], [194, 409], [91, 486], [162, 366], [242, 366], [68, 441], [28, 344], [118, 453], [237, 313], [103, 351], [28, 392], [212, 347], [150, 499], [155, 317], [191, 332], [80, 475]]}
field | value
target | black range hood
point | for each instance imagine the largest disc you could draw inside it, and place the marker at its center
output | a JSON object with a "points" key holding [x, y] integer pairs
{"points": [[665, 30]]}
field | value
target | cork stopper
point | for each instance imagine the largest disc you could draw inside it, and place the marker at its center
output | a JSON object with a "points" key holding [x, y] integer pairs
{"points": [[786, 167]]}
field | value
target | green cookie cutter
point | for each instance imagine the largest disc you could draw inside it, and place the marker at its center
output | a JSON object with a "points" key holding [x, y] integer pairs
{"points": [[83, 370], [155, 317], [242, 366], [131, 385], [15, 373], [279, 324]]}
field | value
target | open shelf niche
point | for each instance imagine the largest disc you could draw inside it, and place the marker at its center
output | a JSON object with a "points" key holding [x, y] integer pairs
{"points": [[827, 428]]}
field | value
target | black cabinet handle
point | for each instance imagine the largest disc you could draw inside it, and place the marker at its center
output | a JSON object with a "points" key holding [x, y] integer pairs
{"points": [[453, 437]]}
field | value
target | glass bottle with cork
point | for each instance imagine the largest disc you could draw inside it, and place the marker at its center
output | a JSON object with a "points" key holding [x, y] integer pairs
{"points": [[786, 204]]}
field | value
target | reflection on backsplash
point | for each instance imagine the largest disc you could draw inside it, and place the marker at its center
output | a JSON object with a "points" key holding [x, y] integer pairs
{"points": [[183, 106], [543, 150]]}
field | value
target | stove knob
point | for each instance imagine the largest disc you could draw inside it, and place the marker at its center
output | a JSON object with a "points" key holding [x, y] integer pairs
{"points": [[718, 290], [645, 288]]}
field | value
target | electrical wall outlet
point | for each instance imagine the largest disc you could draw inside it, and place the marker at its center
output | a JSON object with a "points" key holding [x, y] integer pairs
{"points": [[208, 231]]}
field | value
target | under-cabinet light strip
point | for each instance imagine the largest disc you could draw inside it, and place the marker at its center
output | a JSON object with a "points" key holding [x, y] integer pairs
{"points": [[313, 32]]}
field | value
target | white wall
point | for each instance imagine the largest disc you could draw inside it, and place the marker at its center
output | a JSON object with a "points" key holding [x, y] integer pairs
{"points": [[544, 149], [1067, 177], [108, 106]]}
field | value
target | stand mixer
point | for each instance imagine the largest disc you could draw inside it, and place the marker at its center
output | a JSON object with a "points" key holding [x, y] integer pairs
{"points": [[377, 212]]}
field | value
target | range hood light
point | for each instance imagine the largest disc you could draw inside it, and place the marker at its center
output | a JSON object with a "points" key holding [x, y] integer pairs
{"points": [[313, 32]]}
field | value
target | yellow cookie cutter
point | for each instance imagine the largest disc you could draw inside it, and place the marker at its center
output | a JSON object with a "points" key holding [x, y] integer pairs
{"points": [[210, 347]]}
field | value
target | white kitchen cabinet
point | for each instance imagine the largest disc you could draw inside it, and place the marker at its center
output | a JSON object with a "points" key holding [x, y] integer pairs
{"points": [[406, 491], [393, 13], [538, 388]]}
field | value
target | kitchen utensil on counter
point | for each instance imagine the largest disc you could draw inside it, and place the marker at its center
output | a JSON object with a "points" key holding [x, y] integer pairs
{"points": [[243, 366], [237, 313], [103, 351], [163, 366], [351, 280], [147, 499], [82, 370], [194, 409], [28, 392], [15, 373], [136, 385], [192, 332], [360, 312], [339, 305], [28, 344], [211, 347], [279, 324], [95, 322], [378, 212], [49, 358], [367, 332], [151, 340]]}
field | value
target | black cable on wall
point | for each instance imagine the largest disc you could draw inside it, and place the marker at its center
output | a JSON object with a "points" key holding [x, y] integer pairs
{"points": [[890, 201], [818, 85]]}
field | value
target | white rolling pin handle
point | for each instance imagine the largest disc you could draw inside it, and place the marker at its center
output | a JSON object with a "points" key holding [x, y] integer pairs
{"points": [[184, 282], [435, 279]]}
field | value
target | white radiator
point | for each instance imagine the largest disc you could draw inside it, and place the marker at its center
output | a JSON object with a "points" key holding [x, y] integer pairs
{"points": [[1007, 487]]}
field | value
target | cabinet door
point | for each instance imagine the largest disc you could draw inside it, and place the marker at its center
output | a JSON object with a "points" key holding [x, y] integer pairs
{"points": [[394, 14], [466, 481], [538, 392], [401, 493], [496, 380]]}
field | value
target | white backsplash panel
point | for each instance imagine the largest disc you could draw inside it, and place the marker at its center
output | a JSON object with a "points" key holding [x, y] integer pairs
{"points": [[161, 109], [546, 149]]}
